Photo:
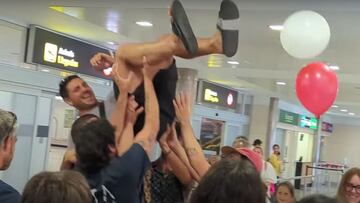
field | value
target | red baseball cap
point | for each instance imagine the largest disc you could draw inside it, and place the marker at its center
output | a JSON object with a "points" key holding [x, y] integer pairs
{"points": [[254, 157]]}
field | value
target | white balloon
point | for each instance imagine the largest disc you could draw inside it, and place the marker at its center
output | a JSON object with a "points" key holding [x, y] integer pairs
{"points": [[306, 34]]}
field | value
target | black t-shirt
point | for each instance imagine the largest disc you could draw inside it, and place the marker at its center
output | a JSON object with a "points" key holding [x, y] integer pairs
{"points": [[8, 194], [165, 88], [120, 181]]}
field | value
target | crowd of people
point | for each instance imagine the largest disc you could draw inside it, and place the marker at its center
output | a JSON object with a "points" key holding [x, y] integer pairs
{"points": [[107, 159]]}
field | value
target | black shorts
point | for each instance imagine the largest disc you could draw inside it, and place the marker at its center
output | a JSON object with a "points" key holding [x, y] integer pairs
{"points": [[165, 87]]}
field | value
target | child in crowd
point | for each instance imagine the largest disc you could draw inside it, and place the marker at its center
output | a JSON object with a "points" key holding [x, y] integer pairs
{"points": [[285, 193]]}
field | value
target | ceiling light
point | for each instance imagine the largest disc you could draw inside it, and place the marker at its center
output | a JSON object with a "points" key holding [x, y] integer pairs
{"points": [[111, 43], [45, 70], [335, 106], [351, 114], [334, 67], [344, 110], [280, 83], [276, 27], [144, 23], [233, 62]]}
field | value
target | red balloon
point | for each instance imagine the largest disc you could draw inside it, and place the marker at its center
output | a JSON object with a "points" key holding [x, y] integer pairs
{"points": [[316, 87]]}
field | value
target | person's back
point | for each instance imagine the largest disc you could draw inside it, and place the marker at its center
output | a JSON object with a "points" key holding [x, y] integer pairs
{"points": [[112, 178], [8, 194], [7, 147]]}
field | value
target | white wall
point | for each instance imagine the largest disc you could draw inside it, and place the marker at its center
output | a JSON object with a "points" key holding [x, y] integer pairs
{"points": [[343, 144]]}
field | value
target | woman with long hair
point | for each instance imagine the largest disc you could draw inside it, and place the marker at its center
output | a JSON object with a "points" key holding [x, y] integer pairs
{"points": [[349, 188]]}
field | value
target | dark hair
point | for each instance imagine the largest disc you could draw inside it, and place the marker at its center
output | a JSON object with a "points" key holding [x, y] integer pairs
{"points": [[235, 181], [275, 145], [53, 187], [80, 122], [63, 85], [317, 198], [92, 139], [257, 142], [289, 186], [344, 180]]}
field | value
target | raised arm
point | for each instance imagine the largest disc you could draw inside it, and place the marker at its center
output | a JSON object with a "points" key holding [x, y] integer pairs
{"points": [[175, 145], [147, 136], [192, 147], [127, 137], [180, 170], [118, 116]]}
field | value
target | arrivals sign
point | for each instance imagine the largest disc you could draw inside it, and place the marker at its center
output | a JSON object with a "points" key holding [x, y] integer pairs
{"points": [[52, 49], [288, 117], [211, 93]]}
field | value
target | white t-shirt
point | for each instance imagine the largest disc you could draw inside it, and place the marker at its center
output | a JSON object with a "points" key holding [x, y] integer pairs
{"points": [[268, 173]]}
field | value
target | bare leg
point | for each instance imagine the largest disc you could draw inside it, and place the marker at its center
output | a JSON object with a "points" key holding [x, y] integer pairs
{"points": [[124, 69], [206, 46], [167, 46]]}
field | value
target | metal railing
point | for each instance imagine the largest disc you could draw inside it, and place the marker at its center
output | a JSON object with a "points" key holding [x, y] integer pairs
{"points": [[323, 180]]}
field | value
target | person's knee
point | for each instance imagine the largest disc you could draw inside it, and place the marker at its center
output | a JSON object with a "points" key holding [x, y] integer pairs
{"points": [[121, 51]]}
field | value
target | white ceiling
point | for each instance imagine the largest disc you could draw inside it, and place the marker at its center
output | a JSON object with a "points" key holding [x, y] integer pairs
{"points": [[262, 59]]}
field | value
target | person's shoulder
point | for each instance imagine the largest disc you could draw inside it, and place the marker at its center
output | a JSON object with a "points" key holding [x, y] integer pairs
{"points": [[8, 193], [135, 155]]}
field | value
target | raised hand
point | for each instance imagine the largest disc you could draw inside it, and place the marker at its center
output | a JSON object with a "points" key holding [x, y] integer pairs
{"points": [[133, 110], [101, 61], [182, 107], [172, 139], [163, 141], [121, 82]]}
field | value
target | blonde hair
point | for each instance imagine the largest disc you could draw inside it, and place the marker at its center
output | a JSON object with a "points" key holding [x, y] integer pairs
{"points": [[8, 121]]}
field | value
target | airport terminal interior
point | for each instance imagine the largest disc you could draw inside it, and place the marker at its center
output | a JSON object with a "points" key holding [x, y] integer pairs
{"points": [[196, 101]]}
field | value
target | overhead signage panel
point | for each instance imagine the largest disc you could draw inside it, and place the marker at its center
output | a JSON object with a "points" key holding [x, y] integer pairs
{"points": [[63, 52], [217, 95]]}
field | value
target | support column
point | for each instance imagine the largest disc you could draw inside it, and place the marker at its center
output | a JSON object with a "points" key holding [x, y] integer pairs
{"points": [[271, 126], [317, 143], [187, 82]]}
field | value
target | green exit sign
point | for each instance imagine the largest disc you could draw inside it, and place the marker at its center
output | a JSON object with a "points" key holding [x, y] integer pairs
{"points": [[288, 117], [308, 122]]}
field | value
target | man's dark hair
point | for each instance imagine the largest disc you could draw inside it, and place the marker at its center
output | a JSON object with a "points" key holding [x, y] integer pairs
{"points": [[235, 181], [63, 186], [92, 138], [63, 85], [257, 142], [318, 198]]}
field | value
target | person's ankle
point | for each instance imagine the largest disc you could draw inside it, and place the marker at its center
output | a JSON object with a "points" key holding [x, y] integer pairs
{"points": [[216, 43]]}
